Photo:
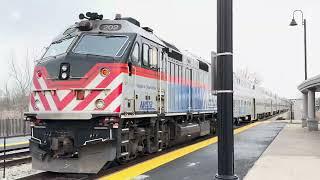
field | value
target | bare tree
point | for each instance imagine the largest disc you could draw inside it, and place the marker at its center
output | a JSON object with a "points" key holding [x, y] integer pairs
{"points": [[5, 99], [21, 74], [254, 78]]}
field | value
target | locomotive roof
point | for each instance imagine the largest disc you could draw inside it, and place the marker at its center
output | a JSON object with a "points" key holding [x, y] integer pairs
{"points": [[125, 27], [128, 27]]}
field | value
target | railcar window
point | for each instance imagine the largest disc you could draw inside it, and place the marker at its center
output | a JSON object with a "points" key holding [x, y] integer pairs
{"points": [[58, 47], [154, 57], [163, 59], [150, 56], [145, 49], [101, 45], [135, 53], [160, 60]]}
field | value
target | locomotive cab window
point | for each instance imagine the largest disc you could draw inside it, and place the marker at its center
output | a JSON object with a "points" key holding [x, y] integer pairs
{"points": [[101, 45], [58, 47], [135, 53]]}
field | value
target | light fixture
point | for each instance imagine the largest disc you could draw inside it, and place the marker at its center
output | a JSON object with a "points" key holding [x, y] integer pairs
{"points": [[64, 75], [64, 71], [36, 104], [293, 22], [99, 104], [64, 67], [104, 72], [39, 74]]}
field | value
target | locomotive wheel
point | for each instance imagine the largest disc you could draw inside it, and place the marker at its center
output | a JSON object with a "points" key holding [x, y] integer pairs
{"points": [[122, 161]]}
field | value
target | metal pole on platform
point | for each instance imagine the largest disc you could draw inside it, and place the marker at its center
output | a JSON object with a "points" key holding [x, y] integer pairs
{"points": [[291, 111], [225, 90], [305, 49], [304, 23]]}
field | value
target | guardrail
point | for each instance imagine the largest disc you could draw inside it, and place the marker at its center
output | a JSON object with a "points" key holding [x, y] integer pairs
{"points": [[14, 127]]}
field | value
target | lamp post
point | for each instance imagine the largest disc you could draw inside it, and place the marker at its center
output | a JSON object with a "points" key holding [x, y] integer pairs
{"points": [[304, 23]]}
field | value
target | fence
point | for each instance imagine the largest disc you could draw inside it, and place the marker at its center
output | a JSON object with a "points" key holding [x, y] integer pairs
{"points": [[14, 127]]}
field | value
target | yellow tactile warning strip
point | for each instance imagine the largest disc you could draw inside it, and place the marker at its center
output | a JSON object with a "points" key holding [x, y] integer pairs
{"points": [[15, 144], [140, 168]]}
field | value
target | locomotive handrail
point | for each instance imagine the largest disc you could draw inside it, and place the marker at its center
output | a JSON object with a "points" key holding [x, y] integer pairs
{"points": [[71, 115], [90, 89], [215, 92], [71, 77], [41, 90], [74, 89]]}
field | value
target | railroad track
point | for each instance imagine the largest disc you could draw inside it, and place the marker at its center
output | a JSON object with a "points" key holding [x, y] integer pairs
{"points": [[15, 157], [114, 167]]}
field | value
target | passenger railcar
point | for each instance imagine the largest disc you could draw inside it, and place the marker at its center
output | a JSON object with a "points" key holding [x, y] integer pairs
{"points": [[110, 90]]}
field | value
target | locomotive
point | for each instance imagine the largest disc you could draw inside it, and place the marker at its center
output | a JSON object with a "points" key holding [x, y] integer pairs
{"points": [[111, 90]]}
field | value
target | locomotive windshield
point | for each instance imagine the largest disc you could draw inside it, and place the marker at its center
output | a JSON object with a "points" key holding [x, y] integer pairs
{"points": [[101, 45], [58, 47]]}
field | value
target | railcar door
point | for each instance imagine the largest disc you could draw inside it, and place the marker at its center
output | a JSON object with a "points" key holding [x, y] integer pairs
{"points": [[189, 72], [254, 109], [271, 108]]}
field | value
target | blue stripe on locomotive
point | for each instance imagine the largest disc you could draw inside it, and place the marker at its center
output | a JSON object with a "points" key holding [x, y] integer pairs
{"points": [[179, 98]]}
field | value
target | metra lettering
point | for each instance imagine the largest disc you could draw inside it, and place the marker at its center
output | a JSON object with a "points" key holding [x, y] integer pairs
{"points": [[146, 86], [146, 105]]}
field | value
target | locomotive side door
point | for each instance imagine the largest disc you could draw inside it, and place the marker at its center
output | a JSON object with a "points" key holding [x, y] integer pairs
{"points": [[147, 81], [130, 89], [161, 81], [141, 81]]}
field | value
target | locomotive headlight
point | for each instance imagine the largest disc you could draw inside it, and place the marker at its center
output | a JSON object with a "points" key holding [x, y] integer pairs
{"points": [[104, 72], [64, 71], [99, 103], [64, 68], [36, 104], [39, 74], [64, 75]]}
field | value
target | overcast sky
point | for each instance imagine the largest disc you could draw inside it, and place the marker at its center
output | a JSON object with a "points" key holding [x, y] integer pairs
{"points": [[263, 41]]}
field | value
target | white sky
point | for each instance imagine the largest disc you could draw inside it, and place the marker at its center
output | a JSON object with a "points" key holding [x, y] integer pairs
{"points": [[263, 41]]}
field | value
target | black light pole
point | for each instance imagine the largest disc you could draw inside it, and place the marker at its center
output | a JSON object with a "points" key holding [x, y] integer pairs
{"points": [[225, 91], [304, 23]]}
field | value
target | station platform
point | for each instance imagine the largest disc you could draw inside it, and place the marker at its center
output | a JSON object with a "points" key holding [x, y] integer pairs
{"points": [[294, 155], [199, 161], [15, 142]]}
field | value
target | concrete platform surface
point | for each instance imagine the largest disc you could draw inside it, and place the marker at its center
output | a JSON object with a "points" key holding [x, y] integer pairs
{"points": [[15, 142], [294, 154], [203, 164]]}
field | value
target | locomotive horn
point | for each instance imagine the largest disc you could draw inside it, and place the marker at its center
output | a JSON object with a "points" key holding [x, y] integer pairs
{"points": [[91, 16], [88, 14], [81, 16]]}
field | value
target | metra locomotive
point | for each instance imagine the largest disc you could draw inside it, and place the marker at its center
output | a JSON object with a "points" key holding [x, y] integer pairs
{"points": [[110, 90]]}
